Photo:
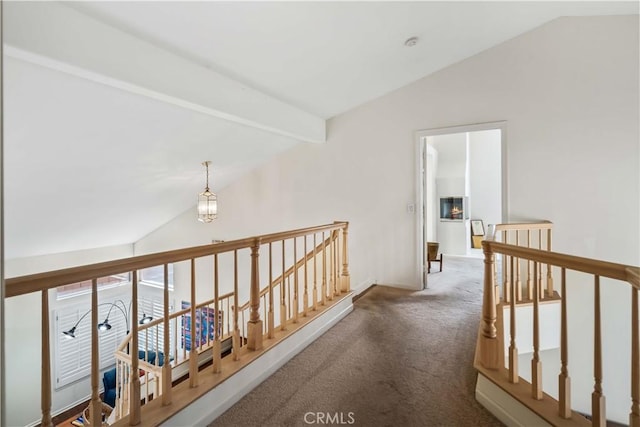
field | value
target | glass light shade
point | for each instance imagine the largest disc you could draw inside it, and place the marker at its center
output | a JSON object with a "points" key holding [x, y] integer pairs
{"points": [[207, 206], [145, 319], [104, 326]]}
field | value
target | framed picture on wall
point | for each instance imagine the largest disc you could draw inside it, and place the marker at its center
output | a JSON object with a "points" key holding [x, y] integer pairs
{"points": [[477, 227]]}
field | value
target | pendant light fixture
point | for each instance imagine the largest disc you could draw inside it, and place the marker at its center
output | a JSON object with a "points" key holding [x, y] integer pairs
{"points": [[207, 201]]}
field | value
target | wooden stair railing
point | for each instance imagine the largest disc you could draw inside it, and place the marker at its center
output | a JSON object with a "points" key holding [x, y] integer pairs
{"points": [[225, 308], [530, 235], [490, 351], [152, 372], [290, 296]]}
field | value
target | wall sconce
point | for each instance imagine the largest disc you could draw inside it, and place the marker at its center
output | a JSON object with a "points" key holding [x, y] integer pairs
{"points": [[207, 201]]}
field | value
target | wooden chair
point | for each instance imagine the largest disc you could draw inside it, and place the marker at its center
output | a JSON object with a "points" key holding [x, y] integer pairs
{"points": [[432, 255]]}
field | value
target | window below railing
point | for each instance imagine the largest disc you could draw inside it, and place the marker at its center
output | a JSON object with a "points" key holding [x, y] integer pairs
{"points": [[84, 288], [72, 360]]}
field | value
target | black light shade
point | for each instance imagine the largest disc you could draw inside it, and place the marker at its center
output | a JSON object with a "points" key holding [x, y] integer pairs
{"points": [[145, 319], [104, 326], [71, 333]]}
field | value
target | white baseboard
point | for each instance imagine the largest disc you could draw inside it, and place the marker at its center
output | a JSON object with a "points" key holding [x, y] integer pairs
{"points": [[213, 404], [504, 407], [363, 286]]}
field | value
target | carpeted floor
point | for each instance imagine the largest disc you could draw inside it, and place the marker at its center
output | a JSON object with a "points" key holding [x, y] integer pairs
{"points": [[402, 358]]}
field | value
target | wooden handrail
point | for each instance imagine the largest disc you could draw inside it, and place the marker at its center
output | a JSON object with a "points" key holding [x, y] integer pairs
{"points": [[490, 338], [128, 398], [633, 276], [571, 262], [52, 279], [522, 226]]}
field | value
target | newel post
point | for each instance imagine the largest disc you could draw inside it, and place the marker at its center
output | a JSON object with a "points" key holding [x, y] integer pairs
{"points": [[488, 340], [254, 326], [345, 285]]}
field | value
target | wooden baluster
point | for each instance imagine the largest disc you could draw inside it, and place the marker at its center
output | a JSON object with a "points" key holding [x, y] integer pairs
{"points": [[255, 327], [536, 364], [505, 271], [283, 295], [496, 287], [305, 296], [315, 273], [183, 327], [119, 388], [242, 332], [217, 323], [296, 300], [166, 367], [336, 264], [488, 340], [634, 416], [45, 391], [290, 293], [517, 270], [332, 283], [265, 314], [270, 316], [126, 388], [529, 263], [549, 276], [203, 327], [175, 339], [513, 349], [146, 345], [156, 333], [324, 269], [540, 286], [346, 279], [96, 403], [193, 354], [564, 382], [235, 341], [597, 397], [134, 383], [228, 310]]}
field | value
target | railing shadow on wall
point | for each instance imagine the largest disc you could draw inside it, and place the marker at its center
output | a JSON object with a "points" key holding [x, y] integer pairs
{"points": [[527, 277], [301, 272]]}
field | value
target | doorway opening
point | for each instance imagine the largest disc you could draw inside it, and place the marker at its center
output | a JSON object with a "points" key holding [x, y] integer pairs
{"points": [[461, 188]]}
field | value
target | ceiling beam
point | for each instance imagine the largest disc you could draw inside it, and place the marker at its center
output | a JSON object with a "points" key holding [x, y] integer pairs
{"points": [[61, 38]]}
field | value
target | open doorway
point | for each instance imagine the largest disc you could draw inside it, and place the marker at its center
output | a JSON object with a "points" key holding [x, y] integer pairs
{"points": [[461, 190]]}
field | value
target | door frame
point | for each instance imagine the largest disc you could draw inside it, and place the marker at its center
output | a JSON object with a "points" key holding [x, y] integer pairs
{"points": [[421, 169]]}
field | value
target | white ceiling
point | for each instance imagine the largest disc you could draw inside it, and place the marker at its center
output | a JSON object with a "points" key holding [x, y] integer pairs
{"points": [[89, 164], [328, 57]]}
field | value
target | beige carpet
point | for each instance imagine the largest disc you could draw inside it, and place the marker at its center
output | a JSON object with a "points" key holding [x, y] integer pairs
{"points": [[402, 358]]}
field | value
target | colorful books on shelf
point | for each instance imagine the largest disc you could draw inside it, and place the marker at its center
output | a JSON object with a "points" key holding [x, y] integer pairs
{"points": [[78, 422]]}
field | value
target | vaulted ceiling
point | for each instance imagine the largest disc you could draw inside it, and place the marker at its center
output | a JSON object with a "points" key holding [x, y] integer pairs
{"points": [[110, 107]]}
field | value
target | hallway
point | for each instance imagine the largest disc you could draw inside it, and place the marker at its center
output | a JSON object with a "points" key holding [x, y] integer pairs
{"points": [[400, 358]]}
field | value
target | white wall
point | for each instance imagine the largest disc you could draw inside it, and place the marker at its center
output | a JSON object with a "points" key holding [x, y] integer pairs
{"points": [[569, 93], [485, 182], [23, 335], [451, 180]]}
